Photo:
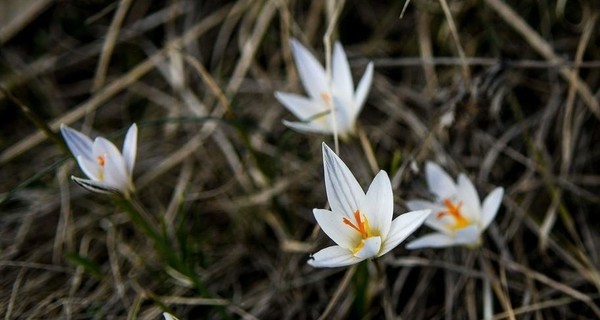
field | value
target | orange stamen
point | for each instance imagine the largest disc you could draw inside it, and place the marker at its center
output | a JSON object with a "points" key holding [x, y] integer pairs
{"points": [[325, 96], [361, 226], [454, 211], [101, 161]]}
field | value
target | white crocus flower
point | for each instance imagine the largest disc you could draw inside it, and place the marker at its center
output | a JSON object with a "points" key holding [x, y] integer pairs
{"points": [[326, 98], [361, 224], [457, 214], [108, 170]]}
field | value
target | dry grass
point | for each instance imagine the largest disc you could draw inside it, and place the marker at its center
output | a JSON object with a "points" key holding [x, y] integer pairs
{"points": [[233, 189]]}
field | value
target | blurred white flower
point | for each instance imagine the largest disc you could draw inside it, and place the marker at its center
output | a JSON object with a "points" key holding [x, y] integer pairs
{"points": [[457, 214], [360, 224], [326, 97], [108, 170]]}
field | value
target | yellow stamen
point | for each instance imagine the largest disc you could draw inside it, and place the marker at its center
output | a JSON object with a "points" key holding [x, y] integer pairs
{"points": [[453, 210]]}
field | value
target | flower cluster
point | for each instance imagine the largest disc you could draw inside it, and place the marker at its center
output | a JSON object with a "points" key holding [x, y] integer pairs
{"points": [[361, 224]]}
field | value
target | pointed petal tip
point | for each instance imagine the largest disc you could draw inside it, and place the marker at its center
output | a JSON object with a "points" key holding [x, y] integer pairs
{"points": [[439, 181], [490, 207], [326, 148]]}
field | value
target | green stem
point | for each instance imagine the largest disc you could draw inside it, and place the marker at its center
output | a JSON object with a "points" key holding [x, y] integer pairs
{"points": [[142, 220]]}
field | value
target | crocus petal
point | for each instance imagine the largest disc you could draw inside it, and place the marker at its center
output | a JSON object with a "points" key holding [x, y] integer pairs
{"points": [[432, 240], [115, 172], [344, 119], [439, 182], [362, 91], [378, 205], [466, 193], [333, 226], [115, 175], [370, 248], [441, 224], [78, 143], [468, 236], [342, 77], [403, 226], [413, 205], [130, 148], [490, 207], [303, 108], [89, 168], [95, 186], [310, 70], [311, 127], [169, 316], [343, 191], [334, 256]]}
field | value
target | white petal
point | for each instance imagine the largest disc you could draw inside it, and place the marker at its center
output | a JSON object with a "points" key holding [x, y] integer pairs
{"points": [[403, 226], [490, 207], [130, 148], [343, 191], [432, 240], [310, 70], [333, 256], [370, 249], [439, 182], [78, 143], [303, 108], [343, 116], [333, 225], [468, 236], [311, 127], [378, 204], [439, 224], [342, 77], [362, 91], [413, 205], [115, 173], [95, 186], [471, 206], [89, 168], [169, 316]]}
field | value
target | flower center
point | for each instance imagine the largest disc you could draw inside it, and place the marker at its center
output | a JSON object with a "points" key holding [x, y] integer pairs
{"points": [[361, 225], [101, 162], [326, 97], [453, 210]]}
